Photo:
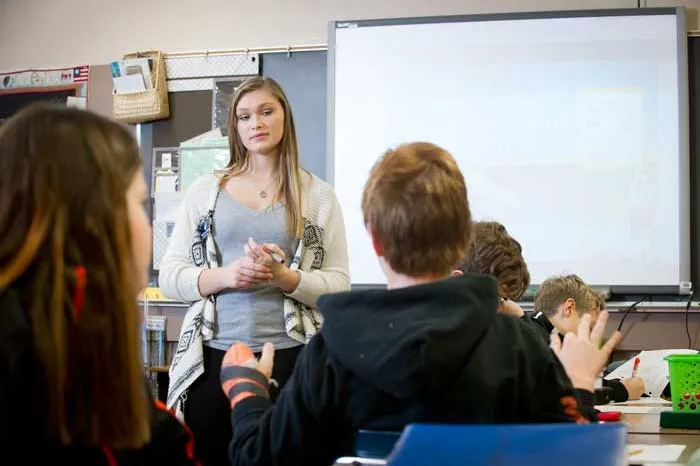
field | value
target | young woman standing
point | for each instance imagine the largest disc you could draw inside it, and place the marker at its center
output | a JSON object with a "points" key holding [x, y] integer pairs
{"points": [[255, 246]]}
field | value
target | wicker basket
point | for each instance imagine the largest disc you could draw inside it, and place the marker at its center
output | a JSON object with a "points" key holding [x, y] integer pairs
{"points": [[148, 105]]}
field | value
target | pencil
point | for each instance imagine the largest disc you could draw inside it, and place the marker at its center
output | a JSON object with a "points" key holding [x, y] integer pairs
{"points": [[636, 366]]}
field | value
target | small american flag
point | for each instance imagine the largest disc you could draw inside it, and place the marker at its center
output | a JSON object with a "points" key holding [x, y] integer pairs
{"points": [[81, 74]]}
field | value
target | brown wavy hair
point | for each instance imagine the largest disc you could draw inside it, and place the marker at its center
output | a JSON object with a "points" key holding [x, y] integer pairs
{"points": [[64, 175], [289, 186], [415, 200], [492, 251]]}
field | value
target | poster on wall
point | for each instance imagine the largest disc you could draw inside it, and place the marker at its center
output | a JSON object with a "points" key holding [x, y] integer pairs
{"points": [[65, 86]]}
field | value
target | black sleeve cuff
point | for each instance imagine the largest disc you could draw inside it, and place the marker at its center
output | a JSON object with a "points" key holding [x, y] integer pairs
{"points": [[587, 407], [586, 398], [620, 392], [251, 406]]}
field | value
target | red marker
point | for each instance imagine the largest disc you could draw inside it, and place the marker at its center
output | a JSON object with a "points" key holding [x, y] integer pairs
{"points": [[636, 366], [609, 416]]}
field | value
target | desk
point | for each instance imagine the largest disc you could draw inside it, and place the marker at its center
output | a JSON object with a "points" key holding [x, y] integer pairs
{"points": [[162, 381], [648, 423], [645, 429], [691, 442]]}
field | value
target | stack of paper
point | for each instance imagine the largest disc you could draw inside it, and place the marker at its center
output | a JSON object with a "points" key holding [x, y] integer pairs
{"points": [[132, 75], [653, 369]]}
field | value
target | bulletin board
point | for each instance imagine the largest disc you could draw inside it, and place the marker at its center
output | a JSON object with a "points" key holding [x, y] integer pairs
{"points": [[66, 86]]}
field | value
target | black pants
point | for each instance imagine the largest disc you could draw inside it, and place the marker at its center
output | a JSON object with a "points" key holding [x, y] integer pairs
{"points": [[208, 411]]}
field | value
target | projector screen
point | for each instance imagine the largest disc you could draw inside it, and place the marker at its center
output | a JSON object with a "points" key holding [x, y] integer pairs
{"points": [[571, 129]]}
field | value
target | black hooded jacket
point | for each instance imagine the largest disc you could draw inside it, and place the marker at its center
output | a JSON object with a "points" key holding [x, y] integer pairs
{"points": [[23, 435], [437, 353]]}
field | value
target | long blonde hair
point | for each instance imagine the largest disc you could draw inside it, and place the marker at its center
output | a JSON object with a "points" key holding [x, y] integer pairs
{"points": [[289, 185]]}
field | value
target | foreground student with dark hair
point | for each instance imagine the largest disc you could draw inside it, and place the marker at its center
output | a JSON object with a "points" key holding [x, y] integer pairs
{"points": [[428, 349], [75, 243]]}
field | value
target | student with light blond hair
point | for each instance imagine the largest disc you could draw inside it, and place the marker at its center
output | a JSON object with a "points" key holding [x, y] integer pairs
{"points": [[560, 303]]}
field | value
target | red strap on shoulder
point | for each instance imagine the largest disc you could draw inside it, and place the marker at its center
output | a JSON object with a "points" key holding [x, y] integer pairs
{"points": [[109, 456], [79, 291]]}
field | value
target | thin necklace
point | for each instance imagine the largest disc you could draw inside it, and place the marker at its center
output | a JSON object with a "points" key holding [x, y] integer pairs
{"points": [[263, 192]]}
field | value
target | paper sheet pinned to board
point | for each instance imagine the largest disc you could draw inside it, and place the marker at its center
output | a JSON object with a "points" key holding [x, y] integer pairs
{"points": [[167, 205], [76, 102], [166, 211], [653, 369], [166, 183]]}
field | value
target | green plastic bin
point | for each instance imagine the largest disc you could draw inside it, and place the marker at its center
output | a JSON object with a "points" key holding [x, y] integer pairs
{"points": [[684, 375]]}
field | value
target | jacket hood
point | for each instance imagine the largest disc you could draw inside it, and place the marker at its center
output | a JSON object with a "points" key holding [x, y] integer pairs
{"points": [[409, 341]]}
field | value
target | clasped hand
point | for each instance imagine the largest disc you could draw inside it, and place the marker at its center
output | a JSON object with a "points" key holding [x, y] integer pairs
{"points": [[256, 266]]}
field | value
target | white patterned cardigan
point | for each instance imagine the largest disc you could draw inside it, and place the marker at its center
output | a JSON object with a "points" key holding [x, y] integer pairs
{"points": [[321, 258]]}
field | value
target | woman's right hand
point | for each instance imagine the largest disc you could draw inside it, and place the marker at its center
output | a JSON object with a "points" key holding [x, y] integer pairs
{"points": [[242, 273]]}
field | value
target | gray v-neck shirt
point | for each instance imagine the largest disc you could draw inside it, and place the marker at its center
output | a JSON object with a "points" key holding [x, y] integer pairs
{"points": [[251, 315]]}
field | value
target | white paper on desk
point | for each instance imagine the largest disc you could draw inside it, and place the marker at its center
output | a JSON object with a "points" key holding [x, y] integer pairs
{"points": [[655, 453], [653, 369], [632, 409], [167, 206], [646, 401]]}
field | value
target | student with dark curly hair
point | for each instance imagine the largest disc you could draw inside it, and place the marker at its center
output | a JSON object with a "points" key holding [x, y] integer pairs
{"points": [[493, 251]]}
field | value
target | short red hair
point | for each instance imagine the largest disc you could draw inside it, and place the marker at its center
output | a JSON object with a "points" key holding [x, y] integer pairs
{"points": [[416, 203]]}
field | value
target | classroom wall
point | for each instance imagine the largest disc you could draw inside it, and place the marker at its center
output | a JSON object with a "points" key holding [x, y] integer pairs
{"points": [[40, 33]]}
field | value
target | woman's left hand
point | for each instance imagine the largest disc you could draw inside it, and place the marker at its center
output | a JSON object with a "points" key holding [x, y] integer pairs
{"points": [[287, 280]]}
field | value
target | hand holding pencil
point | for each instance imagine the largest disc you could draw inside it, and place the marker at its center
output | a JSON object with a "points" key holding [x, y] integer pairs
{"points": [[634, 384]]}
